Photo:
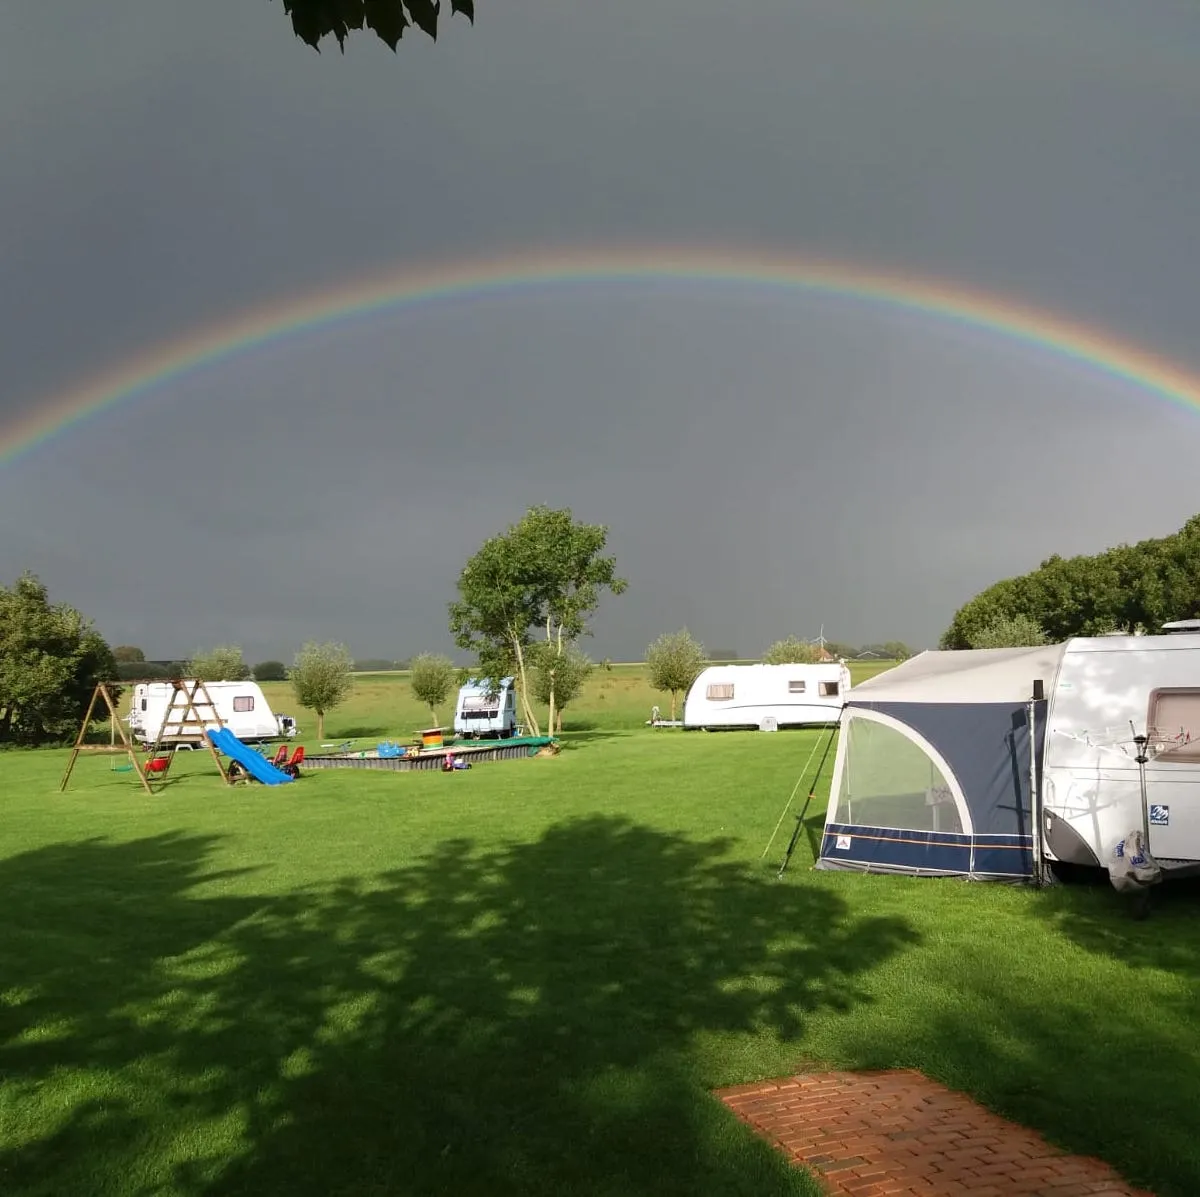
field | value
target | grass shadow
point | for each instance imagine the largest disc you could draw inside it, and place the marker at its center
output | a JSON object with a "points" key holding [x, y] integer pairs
{"points": [[522, 1020], [574, 739], [1096, 917]]}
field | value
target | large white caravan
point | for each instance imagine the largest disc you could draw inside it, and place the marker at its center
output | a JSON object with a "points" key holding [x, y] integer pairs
{"points": [[985, 762], [762, 696], [241, 706], [1109, 691]]}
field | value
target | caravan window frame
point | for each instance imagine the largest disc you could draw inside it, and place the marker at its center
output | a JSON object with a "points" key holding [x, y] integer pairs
{"points": [[823, 689], [715, 692], [1171, 750], [797, 686], [243, 698]]}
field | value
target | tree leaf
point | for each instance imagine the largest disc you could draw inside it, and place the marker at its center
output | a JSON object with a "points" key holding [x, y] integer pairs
{"points": [[424, 15], [387, 19]]}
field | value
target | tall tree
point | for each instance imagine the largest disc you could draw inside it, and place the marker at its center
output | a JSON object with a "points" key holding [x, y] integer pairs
{"points": [[544, 574], [224, 663], [673, 662], [51, 658], [322, 677], [127, 652], [270, 671], [433, 677], [792, 650]]}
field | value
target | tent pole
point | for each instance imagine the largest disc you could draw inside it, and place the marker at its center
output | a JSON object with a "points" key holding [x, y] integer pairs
{"points": [[811, 791], [1035, 796]]}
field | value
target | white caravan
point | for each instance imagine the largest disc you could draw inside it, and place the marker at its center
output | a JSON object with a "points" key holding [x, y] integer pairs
{"points": [[982, 762], [766, 696], [241, 706], [1109, 691]]}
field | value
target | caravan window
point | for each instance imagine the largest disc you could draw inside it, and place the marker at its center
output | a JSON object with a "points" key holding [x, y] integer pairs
{"points": [[243, 703], [828, 689], [719, 691], [1173, 724], [796, 687], [143, 704]]}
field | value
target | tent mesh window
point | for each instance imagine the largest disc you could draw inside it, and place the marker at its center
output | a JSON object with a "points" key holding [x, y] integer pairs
{"points": [[1174, 724], [889, 781]]}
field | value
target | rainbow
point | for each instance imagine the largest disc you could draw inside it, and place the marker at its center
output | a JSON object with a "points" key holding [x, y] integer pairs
{"points": [[493, 277]]}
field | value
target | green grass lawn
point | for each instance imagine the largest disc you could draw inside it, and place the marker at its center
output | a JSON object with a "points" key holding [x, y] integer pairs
{"points": [[528, 977]]}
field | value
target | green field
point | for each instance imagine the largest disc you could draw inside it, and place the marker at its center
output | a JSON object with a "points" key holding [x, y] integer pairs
{"points": [[528, 977]]}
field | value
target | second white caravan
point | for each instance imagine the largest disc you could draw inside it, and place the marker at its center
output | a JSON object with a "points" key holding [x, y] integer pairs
{"points": [[761, 696]]}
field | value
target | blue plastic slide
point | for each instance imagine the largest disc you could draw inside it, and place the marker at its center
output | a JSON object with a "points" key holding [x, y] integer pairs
{"points": [[254, 763]]}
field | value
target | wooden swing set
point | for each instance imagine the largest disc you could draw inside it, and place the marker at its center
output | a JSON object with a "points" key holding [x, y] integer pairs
{"points": [[183, 723]]}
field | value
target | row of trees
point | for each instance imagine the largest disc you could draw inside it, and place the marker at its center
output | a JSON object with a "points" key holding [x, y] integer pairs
{"points": [[525, 600], [1129, 588]]}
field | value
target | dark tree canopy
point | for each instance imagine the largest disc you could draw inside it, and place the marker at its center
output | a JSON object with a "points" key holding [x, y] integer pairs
{"points": [[51, 658], [1123, 589], [314, 20]]}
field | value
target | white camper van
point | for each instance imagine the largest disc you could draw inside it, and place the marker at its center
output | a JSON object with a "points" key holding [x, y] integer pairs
{"points": [[486, 709], [765, 696], [242, 707]]}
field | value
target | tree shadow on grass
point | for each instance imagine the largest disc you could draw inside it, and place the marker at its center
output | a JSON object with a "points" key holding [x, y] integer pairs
{"points": [[519, 1020], [570, 738], [1099, 919]]}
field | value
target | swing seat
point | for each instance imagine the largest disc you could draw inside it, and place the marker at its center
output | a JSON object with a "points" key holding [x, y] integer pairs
{"points": [[126, 768]]}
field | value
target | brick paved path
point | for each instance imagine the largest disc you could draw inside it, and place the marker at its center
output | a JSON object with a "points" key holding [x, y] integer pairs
{"points": [[882, 1133]]}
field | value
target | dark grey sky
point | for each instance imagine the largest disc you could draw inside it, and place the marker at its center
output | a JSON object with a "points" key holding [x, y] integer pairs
{"points": [[767, 463]]}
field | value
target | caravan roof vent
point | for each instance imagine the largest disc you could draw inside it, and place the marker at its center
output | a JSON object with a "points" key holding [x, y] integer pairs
{"points": [[1181, 625]]}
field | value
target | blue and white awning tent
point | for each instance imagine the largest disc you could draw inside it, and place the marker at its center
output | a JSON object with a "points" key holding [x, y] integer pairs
{"points": [[934, 767]]}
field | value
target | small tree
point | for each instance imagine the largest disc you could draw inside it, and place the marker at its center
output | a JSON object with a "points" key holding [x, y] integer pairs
{"points": [[792, 650], [321, 678], [221, 664], [1017, 631], [124, 653], [270, 671], [673, 662], [433, 677], [558, 678]]}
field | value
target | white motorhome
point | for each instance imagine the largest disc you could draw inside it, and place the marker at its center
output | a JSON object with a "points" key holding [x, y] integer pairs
{"points": [[765, 696], [241, 706]]}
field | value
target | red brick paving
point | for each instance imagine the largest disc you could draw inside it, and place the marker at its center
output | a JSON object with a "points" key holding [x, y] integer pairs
{"points": [[899, 1134]]}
